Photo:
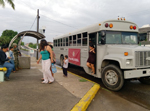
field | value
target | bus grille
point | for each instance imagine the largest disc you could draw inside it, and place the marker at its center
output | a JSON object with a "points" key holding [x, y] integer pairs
{"points": [[140, 58]]}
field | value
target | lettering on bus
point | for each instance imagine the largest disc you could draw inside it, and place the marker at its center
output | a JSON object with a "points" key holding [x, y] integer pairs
{"points": [[74, 56]]}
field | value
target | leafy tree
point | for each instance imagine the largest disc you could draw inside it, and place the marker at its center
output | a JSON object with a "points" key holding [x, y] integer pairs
{"points": [[33, 45], [7, 35], [22, 43], [9, 2], [3, 41]]}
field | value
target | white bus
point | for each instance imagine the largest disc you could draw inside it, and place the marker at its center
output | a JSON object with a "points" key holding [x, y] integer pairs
{"points": [[144, 36], [118, 55]]}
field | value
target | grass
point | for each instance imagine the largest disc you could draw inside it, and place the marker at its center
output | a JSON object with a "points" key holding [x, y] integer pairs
{"points": [[82, 80], [24, 49]]}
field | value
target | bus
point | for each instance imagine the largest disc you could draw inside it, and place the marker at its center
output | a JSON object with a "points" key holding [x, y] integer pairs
{"points": [[118, 55], [144, 35]]}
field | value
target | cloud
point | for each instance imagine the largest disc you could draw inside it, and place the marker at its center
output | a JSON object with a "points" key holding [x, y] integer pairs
{"points": [[63, 16]]}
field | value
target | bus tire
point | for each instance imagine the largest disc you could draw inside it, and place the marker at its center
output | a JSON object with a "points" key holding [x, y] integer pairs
{"points": [[145, 80], [112, 77], [61, 60]]}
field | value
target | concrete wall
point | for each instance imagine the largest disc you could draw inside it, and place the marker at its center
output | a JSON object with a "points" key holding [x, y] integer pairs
{"points": [[24, 62]]}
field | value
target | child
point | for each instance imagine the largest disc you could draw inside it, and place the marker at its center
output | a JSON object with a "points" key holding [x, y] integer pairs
{"points": [[65, 66], [12, 58]]}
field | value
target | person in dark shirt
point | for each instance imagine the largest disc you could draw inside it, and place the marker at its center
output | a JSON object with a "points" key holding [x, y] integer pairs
{"points": [[92, 58], [4, 63]]}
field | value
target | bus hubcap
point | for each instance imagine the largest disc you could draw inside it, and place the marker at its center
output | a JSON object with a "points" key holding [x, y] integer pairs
{"points": [[111, 77]]}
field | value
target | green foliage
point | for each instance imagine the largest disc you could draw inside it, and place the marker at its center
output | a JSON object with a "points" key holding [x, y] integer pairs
{"points": [[82, 80], [3, 41], [9, 2], [32, 45], [22, 43], [7, 35]]}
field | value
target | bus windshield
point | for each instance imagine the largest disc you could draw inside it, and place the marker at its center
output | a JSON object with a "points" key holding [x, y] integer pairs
{"points": [[121, 38]]}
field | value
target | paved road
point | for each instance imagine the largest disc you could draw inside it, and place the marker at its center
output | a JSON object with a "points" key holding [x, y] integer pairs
{"points": [[132, 91], [107, 101]]}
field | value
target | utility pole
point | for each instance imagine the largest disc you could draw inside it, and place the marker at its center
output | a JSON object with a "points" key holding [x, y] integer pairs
{"points": [[38, 17]]}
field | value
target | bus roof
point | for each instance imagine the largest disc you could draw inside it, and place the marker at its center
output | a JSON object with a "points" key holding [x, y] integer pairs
{"points": [[94, 28], [144, 29]]}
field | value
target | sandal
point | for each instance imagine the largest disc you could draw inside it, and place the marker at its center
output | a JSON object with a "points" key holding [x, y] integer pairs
{"points": [[50, 82], [93, 73], [42, 79]]}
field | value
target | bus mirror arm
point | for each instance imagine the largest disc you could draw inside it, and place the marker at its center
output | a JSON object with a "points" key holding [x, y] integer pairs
{"points": [[103, 40]]}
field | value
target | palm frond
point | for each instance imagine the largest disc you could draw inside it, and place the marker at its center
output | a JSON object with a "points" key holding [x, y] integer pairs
{"points": [[11, 3], [2, 3]]}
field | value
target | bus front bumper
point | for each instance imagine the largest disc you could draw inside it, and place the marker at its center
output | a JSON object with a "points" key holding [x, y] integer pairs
{"points": [[136, 73]]}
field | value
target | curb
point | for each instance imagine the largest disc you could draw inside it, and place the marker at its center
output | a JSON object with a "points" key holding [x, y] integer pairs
{"points": [[83, 104]]}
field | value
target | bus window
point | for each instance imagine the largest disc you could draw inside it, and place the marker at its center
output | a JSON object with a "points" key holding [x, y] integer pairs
{"points": [[113, 38], [63, 42], [56, 43], [143, 37], [129, 38], [67, 41], [70, 40], [79, 40], [84, 39], [60, 42], [92, 38], [74, 40], [99, 38]]}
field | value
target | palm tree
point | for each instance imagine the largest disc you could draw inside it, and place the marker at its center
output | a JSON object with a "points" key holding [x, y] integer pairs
{"points": [[9, 2]]}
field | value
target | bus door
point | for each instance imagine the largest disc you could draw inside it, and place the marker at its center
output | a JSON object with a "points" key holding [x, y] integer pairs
{"points": [[93, 41]]}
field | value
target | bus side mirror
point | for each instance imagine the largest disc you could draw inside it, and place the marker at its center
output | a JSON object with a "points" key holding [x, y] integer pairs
{"points": [[103, 33]]}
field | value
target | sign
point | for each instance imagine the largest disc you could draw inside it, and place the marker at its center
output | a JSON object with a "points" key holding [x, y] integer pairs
{"points": [[74, 56], [31, 51]]}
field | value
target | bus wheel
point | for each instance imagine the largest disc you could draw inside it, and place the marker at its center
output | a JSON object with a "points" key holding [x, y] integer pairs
{"points": [[112, 77], [61, 61], [145, 80]]}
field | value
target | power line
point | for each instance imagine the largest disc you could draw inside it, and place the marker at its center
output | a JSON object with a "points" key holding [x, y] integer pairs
{"points": [[33, 23], [59, 21]]}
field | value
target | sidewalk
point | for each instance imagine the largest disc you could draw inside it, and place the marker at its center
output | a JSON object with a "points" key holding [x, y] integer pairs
{"points": [[74, 84], [26, 93]]}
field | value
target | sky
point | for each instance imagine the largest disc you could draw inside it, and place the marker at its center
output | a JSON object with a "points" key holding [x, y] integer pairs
{"points": [[59, 17]]}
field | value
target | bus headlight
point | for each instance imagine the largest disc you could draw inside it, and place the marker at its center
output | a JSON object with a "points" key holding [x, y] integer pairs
{"points": [[128, 61]]}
